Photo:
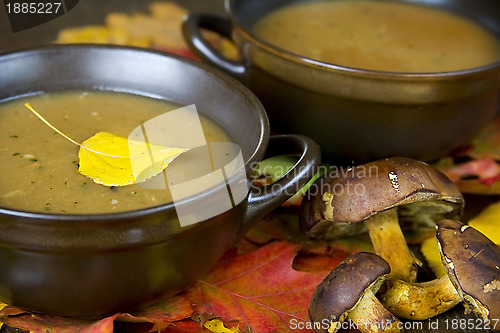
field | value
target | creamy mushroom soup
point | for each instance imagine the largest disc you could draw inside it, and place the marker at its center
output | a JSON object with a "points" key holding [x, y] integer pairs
{"points": [[39, 168], [380, 35]]}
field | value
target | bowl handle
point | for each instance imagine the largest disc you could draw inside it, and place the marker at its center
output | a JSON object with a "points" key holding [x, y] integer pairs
{"points": [[263, 200], [191, 29]]}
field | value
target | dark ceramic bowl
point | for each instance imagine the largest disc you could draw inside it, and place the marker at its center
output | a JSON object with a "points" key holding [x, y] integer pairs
{"points": [[355, 113], [92, 265]]}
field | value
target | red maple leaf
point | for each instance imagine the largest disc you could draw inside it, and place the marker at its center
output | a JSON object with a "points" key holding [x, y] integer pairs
{"points": [[258, 291]]}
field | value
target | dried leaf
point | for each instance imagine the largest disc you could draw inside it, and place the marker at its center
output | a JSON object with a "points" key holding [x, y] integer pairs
{"points": [[258, 291]]}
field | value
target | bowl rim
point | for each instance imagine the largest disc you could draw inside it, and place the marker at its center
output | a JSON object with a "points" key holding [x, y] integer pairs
{"points": [[302, 60], [119, 217]]}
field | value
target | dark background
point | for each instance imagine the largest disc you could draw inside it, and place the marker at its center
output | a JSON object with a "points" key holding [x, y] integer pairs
{"points": [[86, 12]]}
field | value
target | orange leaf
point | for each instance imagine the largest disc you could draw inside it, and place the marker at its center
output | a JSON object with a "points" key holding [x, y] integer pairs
{"points": [[258, 291], [186, 326]]}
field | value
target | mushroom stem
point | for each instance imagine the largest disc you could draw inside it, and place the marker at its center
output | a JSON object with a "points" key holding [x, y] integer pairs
{"points": [[370, 316], [389, 243], [420, 301]]}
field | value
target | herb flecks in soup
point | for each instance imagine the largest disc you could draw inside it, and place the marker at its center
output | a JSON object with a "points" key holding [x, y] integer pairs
{"points": [[380, 35], [39, 167], [112, 160]]}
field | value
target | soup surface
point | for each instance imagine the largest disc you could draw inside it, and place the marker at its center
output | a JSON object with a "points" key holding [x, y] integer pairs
{"points": [[380, 35], [39, 168]]}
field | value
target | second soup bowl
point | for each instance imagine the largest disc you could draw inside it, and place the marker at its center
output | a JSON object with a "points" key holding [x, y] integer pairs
{"points": [[354, 113]]}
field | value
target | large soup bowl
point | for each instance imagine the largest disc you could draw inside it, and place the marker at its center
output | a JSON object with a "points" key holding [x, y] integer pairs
{"points": [[354, 113], [92, 265]]}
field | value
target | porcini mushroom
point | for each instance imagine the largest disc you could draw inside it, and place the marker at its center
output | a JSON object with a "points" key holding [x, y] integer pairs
{"points": [[472, 263], [348, 292], [382, 194]]}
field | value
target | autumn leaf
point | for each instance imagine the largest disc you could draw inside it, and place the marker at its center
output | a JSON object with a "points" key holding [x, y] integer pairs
{"points": [[487, 143], [258, 291], [153, 319]]}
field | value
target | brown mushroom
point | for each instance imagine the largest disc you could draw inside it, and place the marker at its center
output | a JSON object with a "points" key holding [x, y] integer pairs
{"points": [[348, 292], [382, 194], [472, 263]]}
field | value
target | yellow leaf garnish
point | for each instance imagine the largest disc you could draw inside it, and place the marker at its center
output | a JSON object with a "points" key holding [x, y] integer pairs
{"points": [[113, 160]]}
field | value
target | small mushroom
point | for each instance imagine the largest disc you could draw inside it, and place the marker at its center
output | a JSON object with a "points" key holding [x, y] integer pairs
{"points": [[348, 292], [472, 263], [384, 195]]}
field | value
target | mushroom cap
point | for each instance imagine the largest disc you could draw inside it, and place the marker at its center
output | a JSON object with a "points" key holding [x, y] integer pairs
{"points": [[423, 194], [340, 291], [472, 262]]}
